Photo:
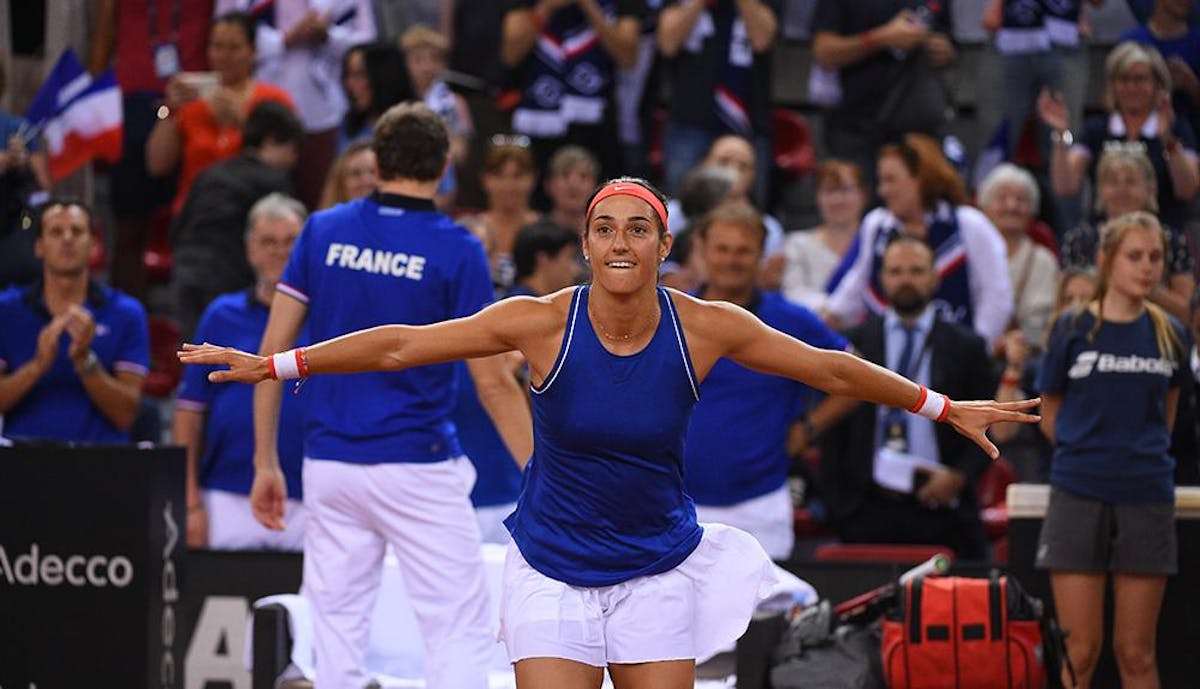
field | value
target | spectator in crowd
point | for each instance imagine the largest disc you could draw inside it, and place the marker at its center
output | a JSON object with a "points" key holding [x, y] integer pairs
{"points": [[425, 58], [1009, 197], [736, 153], [721, 80], [73, 352], [208, 235], [373, 80], [1125, 183], [302, 44], [201, 123], [571, 176], [147, 43], [814, 254], [508, 178], [1140, 117], [391, 470], [547, 260], [737, 455], [924, 198], [1028, 62], [354, 175], [883, 51], [1168, 31], [24, 172], [1112, 497], [215, 422], [703, 189], [567, 94], [891, 477], [1076, 287]]}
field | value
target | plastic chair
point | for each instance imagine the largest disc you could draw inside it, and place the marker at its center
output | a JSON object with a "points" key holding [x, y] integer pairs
{"points": [[880, 552], [792, 146]]}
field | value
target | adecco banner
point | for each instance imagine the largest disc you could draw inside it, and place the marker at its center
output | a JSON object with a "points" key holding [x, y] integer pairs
{"points": [[91, 548]]}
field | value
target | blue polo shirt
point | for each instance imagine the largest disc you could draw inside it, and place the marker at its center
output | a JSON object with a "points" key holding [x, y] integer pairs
{"points": [[736, 445], [498, 480], [58, 407], [1111, 429], [238, 320], [382, 260]]}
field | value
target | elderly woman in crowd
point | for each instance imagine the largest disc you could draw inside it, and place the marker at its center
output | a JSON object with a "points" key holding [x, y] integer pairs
{"points": [[354, 174], [201, 123], [924, 197], [1009, 196], [1138, 95], [1125, 183], [813, 255]]}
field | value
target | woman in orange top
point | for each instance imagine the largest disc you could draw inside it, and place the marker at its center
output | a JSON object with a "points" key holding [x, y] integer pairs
{"points": [[198, 129]]}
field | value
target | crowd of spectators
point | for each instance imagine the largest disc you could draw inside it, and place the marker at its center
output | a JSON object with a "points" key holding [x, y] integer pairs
{"points": [[240, 120]]}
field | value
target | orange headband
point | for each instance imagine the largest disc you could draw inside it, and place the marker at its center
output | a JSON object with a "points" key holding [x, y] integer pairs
{"points": [[634, 190]]}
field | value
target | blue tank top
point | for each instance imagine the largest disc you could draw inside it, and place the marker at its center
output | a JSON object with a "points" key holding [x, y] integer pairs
{"points": [[603, 500]]}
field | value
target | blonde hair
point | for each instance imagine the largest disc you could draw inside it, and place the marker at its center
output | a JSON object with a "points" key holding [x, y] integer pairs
{"points": [[421, 36], [1122, 157], [1112, 235], [334, 190], [1126, 55]]}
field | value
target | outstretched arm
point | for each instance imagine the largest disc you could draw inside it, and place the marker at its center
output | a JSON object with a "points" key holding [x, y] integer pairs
{"points": [[499, 328], [735, 333]]}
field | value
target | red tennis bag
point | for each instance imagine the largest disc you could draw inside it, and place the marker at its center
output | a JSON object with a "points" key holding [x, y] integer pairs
{"points": [[963, 633]]}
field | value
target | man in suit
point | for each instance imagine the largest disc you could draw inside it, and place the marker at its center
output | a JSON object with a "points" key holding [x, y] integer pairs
{"points": [[895, 477]]}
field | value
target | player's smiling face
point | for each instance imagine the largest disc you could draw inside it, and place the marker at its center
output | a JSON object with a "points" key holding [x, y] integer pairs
{"points": [[624, 244]]}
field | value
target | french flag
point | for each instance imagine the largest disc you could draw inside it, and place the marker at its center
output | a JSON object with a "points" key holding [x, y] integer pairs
{"points": [[85, 121]]}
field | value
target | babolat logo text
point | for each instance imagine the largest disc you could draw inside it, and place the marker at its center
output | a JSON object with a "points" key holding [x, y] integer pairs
{"points": [[35, 569], [397, 264], [1090, 361]]}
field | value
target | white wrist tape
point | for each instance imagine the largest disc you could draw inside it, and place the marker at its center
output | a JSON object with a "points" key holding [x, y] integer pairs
{"points": [[932, 405], [286, 365]]}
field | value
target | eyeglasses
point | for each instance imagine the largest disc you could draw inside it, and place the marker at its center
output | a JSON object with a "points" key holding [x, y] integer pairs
{"points": [[517, 140]]}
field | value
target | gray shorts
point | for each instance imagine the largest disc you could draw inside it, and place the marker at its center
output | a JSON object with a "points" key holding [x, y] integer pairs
{"points": [[1084, 535]]}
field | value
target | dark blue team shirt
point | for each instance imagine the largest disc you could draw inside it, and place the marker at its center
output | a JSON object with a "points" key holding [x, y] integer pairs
{"points": [[238, 320], [376, 261], [604, 499], [1111, 428], [58, 407], [498, 480], [736, 446]]}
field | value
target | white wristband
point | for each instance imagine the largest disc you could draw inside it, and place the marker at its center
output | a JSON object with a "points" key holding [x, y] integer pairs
{"points": [[932, 405], [285, 365]]}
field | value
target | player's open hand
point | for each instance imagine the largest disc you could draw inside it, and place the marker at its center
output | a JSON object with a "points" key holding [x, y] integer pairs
{"points": [[973, 418], [243, 367]]}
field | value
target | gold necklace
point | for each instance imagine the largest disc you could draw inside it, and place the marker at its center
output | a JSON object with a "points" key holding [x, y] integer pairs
{"points": [[622, 338]]}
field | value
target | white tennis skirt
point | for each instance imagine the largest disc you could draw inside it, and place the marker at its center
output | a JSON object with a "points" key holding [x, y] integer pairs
{"points": [[692, 611]]}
